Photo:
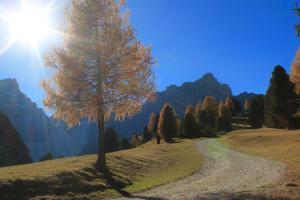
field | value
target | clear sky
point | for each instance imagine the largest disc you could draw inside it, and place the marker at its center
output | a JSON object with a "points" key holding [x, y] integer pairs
{"points": [[239, 41]]}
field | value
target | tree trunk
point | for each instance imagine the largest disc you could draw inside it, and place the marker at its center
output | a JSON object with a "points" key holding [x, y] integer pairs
{"points": [[101, 162]]}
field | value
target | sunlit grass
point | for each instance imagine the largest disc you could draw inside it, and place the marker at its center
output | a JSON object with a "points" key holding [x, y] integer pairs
{"points": [[132, 170]]}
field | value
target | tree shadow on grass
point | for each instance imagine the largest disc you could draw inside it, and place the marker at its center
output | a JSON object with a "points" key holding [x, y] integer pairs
{"points": [[118, 186]]}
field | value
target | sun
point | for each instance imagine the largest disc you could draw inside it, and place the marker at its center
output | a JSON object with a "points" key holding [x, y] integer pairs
{"points": [[29, 24]]}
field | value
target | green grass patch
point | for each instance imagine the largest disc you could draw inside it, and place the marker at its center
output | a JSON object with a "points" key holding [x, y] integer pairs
{"points": [[131, 171]]}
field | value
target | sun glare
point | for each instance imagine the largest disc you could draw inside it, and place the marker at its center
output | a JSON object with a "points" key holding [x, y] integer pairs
{"points": [[29, 24]]}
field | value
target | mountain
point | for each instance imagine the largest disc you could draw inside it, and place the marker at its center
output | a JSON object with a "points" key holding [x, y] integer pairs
{"points": [[12, 149], [243, 97], [36, 129], [178, 96]]}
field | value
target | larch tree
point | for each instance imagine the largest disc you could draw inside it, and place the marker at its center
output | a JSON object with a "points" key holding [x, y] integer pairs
{"points": [[151, 124], [168, 123], [101, 70], [247, 106], [189, 126], [210, 108], [295, 72], [224, 118], [230, 105]]}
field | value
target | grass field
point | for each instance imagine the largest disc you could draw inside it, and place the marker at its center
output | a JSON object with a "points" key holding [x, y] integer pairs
{"points": [[132, 171], [274, 144]]}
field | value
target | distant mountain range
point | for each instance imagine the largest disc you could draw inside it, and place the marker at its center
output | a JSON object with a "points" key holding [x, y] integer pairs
{"points": [[42, 134], [36, 129]]}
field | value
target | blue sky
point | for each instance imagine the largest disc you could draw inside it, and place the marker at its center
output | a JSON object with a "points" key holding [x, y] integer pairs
{"points": [[239, 41]]}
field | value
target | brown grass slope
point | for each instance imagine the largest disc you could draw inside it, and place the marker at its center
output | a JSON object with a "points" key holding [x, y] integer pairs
{"points": [[275, 144], [131, 171]]}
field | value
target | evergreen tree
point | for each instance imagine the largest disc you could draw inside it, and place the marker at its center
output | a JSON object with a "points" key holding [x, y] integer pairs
{"points": [[168, 123], [189, 126], [224, 119], [281, 100], [237, 107], [112, 142], [147, 136], [256, 112], [210, 115], [46, 157], [200, 116], [125, 144]]}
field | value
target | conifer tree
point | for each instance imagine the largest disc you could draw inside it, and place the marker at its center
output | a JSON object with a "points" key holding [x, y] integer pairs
{"points": [[247, 106], [257, 111], [125, 144], [189, 127], [237, 107], [168, 123], [281, 100], [101, 69], [200, 116], [151, 124], [147, 136], [224, 119], [230, 105], [112, 142], [210, 112]]}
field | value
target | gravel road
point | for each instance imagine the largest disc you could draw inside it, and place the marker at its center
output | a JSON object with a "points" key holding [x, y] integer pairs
{"points": [[226, 174]]}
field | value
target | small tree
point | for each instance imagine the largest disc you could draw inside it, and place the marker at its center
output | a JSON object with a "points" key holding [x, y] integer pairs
{"points": [[230, 105], [46, 157], [247, 106], [147, 136], [200, 116], [112, 142], [151, 124], [189, 126], [135, 141], [210, 110], [125, 144], [237, 107], [102, 69], [224, 119], [168, 123]]}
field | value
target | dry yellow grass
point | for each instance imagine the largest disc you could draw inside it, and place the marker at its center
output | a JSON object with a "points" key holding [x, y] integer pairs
{"points": [[132, 170], [274, 144]]}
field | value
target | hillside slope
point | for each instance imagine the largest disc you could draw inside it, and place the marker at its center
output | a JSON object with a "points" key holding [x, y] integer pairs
{"points": [[12, 149], [76, 178]]}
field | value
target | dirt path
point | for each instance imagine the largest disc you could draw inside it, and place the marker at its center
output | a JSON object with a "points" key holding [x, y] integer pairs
{"points": [[226, 174]]}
